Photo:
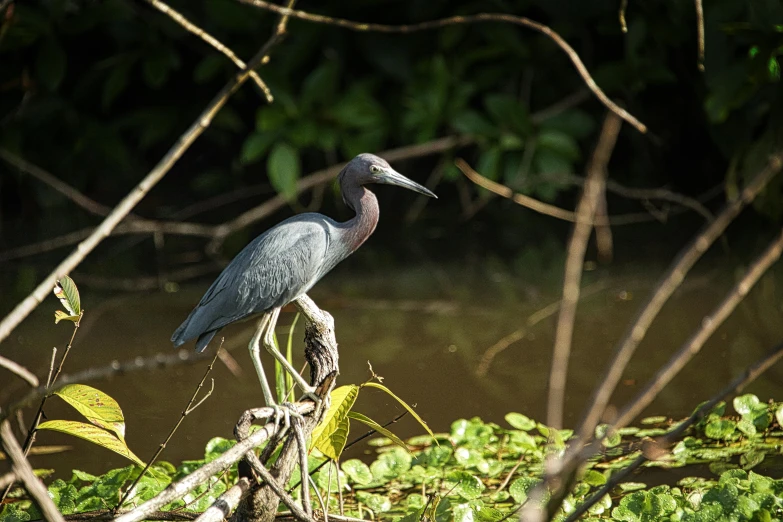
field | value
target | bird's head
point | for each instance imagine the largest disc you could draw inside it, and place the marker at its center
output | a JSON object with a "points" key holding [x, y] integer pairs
{"points": [[368, 168]]}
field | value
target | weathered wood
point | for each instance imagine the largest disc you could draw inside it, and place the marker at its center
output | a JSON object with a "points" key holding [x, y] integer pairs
{"points": [[321, 354]]}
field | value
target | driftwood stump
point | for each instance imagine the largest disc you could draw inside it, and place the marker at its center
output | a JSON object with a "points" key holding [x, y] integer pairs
{"points": [[261, 504]]}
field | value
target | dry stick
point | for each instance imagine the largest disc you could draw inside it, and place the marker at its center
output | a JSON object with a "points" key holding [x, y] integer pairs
{"points": [[23, 469], [708, 326], [678, 360], [666, 287], [87, 203], [188, 409], [700, 34], [106, 514], [24, 308], [460, 20], [539, 206], [749, 375], [621, 15], [572, 279], [50, 380], [604, 243], [19, 370], [517, 335], [296, 424], [187, 484], [115, 367], [214, 42], [226, 503], [8, 479]]}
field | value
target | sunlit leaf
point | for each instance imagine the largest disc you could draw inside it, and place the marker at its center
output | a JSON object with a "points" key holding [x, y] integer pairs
{"points": [[327, 435], [358, 471], [404, 405], [377, 427], [520, 422], [59, 315], [93, 434], [464, 484], [97, 407], [68, 294]]}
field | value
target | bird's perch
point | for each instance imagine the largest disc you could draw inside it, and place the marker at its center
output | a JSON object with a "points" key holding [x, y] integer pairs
{"points": [[321, 354]]}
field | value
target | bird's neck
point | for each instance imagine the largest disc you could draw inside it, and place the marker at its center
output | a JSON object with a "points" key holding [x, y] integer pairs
{"points": [[361, 226]]}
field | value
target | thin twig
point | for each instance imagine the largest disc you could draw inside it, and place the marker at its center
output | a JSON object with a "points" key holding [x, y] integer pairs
{"points": [[19, 370], [708, 326], [700, 34], [23, 309], [57, 184], [621, 15], [214, 42], [666, 287], [226, 503], [462, 20], [24, 471], [185, 412], [103, 372], [187, 484], [572, 279], [320, 497], [749, 375], [301, 443]]}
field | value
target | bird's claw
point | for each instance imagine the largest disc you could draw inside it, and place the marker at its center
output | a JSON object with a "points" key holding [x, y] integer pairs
{"points": [[284, 412]]}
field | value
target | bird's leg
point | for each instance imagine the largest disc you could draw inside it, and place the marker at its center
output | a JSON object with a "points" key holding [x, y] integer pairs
{"points": [[269, 343], [265, 324]]}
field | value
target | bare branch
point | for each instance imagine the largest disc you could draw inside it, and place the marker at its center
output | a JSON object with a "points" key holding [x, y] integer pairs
{"points": [[162, 446], [461, 20], [226, 503], [24, 471], [8, 479], [24, 308], [57, 184], [700, 34], [621, 15], [670, 282], [737, 385], [214, 42], [572, 280], [19, 370]]}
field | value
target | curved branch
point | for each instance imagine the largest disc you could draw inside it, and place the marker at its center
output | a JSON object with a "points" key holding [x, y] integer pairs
{"points": [[19, 370], [461, 20]]}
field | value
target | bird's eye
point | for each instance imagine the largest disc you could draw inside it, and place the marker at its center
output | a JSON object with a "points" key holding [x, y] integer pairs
{"points": [[375, 169]]}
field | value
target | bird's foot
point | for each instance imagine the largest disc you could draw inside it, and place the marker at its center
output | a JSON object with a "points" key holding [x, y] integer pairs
{"points": [[283, 412]]}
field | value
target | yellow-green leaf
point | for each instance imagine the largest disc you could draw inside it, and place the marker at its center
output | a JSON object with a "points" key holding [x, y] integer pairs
{"points": [[59, 315], [404, 405], [68, 294], [96, 406], [332, 447], [380, 429], [342, 400], [93, 434]]}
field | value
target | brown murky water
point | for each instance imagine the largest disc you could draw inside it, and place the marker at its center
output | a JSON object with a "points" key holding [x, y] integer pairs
{"points": [[426, 338]]}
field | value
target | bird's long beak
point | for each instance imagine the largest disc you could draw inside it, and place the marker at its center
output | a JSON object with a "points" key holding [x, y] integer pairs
{"points": [[392, 177]]}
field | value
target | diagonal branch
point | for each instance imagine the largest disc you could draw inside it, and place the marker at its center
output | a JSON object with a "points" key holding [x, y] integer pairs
{"points": [[23, 469], [23, 309], [595, 185], [19, 370], [462, 20], [214, 42]]}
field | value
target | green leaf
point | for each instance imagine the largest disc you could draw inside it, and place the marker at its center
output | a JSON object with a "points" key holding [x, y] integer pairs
{"points": [[779, 416], [594, 478], [745, 404], [59, 315], [358, 471], [208, 68], [751, 459], [464, 484], [520, 422], [93, 434], [378, 503], [473, 123], [720, 429], [255, 146], [283, 169], [66, 291], [609, 441], [64, 496], [520, 488], [97, 407], [653, 420], [377, 427], [404, 405], [330, 435], [50, 64], [559, 142]]}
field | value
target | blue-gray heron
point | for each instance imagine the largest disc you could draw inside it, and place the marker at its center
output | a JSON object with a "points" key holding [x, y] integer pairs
{"points": [[283, 263]]}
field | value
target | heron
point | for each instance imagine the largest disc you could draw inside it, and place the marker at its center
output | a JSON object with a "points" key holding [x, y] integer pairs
{"points": [[282, 264]]}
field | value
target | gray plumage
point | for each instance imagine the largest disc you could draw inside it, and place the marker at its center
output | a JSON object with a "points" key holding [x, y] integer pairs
{"points": [[286, 261]]}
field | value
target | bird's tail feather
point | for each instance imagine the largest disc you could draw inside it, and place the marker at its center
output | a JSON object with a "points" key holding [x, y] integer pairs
{"points": [[204, 339]]}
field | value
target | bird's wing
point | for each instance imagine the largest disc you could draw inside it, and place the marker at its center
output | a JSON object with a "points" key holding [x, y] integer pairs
{"points": [[272, 270]]}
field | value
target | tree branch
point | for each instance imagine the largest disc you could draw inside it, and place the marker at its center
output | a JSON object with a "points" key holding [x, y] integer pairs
{"points": [[461, 20], [572, 279], [19, 370]]}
